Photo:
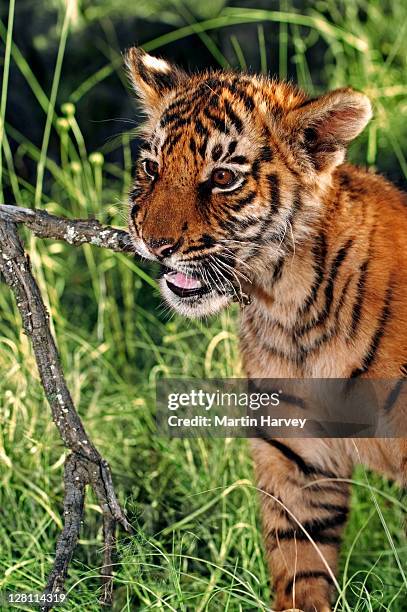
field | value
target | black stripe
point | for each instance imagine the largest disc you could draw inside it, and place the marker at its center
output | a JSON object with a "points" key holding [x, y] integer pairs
{"points": [[208, 241], [332, 487], [232, 147], [296, 206], [176, 122], [246, 99], [391, 399], [145, 144], [194, 249], [134, 210], [256, 169], [238, 89], [181, 101], [246, 223], [192, 146], [265, 237], [196, 258], [293, 400], [238, 159], [183, 105], [248, 199], [370, 355], [168, 118], [213, 82], [314, 529], [203, 146], [329, 507], [306, 350], [170, 142], [235, 120], [266, 154], [333, 331], [216, 152], [329, 289], [279, 325], [315, 526], [307, 576], [305, 468], [359, 298], [200, 128], [276, 237], [205, 242], [234, 225], [319, 252], [219, 124], [342, 299], [274, 182], [281, 354], [278, 270]]}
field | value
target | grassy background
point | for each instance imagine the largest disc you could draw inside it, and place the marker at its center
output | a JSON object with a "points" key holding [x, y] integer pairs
{"points": [[68, 133]]}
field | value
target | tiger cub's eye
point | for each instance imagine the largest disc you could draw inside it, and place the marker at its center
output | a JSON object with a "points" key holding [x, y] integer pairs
{"points": [[150, 168], [222, 177]]}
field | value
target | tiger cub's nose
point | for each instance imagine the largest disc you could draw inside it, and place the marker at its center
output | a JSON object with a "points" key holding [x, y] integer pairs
{"points": [[163, 247]]}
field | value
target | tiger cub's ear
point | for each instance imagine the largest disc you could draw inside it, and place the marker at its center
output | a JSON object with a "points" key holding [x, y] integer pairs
{"points": [[152, 77], [327, 124]]}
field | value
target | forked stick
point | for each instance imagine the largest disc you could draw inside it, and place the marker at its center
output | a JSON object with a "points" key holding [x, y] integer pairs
{"points": [[84, 465]]}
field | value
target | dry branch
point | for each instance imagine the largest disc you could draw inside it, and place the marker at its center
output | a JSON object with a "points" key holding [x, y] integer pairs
{"points": [[84, 466], [73, 231]]}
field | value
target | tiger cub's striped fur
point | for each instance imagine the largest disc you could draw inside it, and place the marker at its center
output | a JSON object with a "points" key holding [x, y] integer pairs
{"points": [[242, 187]]}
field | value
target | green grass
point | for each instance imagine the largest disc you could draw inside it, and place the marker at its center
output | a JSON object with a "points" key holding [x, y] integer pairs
{"points": [[192, 502]]}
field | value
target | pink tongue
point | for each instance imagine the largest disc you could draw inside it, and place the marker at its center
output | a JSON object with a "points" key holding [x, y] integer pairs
{"points": [[181, 280]]}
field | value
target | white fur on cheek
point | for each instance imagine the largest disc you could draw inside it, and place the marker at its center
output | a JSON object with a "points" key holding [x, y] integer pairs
{"points": [[155, 63]]}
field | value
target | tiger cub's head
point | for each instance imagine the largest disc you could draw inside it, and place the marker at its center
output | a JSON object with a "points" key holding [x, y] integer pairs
{"points": [[231, 174]]}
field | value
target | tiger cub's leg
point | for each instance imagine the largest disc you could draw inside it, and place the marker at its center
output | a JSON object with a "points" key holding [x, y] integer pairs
{"points": [[287, 474]]}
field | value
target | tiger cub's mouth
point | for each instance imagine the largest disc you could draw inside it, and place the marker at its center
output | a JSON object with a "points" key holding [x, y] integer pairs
{"points": [[190, 295], [184, 285]]}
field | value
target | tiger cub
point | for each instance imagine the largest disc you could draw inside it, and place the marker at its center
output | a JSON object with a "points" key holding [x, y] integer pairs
{"points": [[241, 188]]}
